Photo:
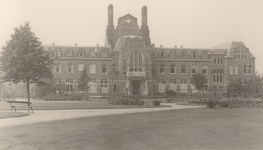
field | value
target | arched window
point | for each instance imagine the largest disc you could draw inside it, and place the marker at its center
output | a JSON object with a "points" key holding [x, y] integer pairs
{"points": [[136, 61]]}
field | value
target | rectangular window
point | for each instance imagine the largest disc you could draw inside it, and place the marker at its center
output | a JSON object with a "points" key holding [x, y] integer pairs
{"points": [[114, 66], [172, 68], [214, 60], [92, 68], [104, 86], [221, 78], [214, 78], [104, 68], [115, 88], [204, 71], [57, 68], [217, 78], [249, 69], [245, 69], [80, 67], [70, 67], [183, 86], [206, 88], [183, 68], [69, 86], [173, 85], [161, 86], [221, 60], [194, 69], [161, 68], [221, 89], [93, 87]]}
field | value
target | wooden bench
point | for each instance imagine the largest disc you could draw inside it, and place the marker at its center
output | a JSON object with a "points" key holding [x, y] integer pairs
{"points": [[21, 104], [97, 97]]}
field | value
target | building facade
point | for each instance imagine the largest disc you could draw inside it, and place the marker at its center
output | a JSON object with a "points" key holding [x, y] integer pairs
{"points": [[130, 64]]}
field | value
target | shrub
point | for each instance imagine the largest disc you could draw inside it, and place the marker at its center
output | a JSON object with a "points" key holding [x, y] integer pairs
{"points": [[171, 93], [157, 102], [211, 103], [126, 100], [58, 97]]}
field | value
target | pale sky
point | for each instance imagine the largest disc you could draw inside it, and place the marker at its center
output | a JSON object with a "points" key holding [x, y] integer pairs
{"points": [[191, 23]]}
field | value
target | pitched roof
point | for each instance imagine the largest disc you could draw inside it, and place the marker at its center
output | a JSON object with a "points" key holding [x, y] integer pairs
{"points": [[122, 41], [229, 48]]}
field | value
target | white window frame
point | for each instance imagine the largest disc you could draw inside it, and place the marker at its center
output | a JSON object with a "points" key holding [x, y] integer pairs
{"points": [[194, 68], [185, 70], [69, 86], [92, 86], [104, 68], [57, 65], [80, 67], [104, 86], [174, 69], [92, 68], [69, 66], [161, 86], [161, 68]]}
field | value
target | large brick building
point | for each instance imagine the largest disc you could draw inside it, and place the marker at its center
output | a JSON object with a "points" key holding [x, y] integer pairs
{"points": [[129, 63]]}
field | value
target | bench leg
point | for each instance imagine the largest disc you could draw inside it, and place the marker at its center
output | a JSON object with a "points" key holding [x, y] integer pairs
{"points": [[13, 107], [29, 109]]}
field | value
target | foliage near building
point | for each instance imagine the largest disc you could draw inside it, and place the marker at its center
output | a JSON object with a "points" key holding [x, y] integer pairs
{"points": [[24, 59]]}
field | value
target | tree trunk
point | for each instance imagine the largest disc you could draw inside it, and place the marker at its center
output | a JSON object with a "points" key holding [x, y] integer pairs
{"points": [[28, 90]]}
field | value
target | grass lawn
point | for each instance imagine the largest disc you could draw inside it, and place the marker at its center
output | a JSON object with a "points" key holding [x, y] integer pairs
{"points": [[200, 128]]}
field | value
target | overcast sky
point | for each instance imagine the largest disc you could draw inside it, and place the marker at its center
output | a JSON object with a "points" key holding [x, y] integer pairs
{"points": [[191, 23]]}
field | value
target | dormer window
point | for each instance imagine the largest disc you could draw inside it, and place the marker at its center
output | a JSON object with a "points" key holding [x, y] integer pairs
{"points": [[194, 55], [183, 54], [69, 53], [162, 54], [92, 54], [104, 54], [173, 54], [81, 53], [57, 53], [204, 54]]}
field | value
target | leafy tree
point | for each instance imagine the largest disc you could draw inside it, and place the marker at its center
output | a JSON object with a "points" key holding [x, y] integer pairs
{"points": [[24, 59], [84, 80], [235, 88], [198, 80], [46, 87], [258, 77]]}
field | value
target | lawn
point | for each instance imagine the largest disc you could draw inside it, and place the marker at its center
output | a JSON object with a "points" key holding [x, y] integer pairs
{"points": [[200, 128]]}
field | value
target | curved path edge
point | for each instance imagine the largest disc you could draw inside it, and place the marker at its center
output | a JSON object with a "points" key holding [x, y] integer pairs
{"points": [[53, 115]]}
